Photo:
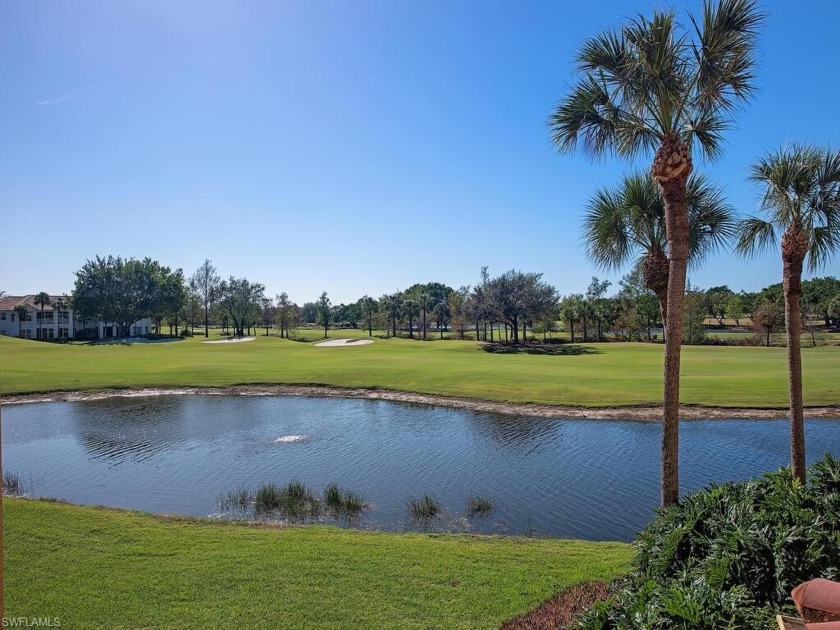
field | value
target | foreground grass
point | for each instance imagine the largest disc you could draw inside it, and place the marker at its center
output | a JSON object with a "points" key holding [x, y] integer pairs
{"points": [[94, 567], [609, 374]]}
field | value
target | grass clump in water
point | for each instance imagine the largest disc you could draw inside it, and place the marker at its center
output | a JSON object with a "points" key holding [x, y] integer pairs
{"points": [[480, 506], [13, 485], [240, 500], [294, 500], [424, 508], [345, 503]]}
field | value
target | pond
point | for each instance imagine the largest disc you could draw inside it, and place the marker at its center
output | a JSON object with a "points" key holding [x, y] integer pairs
{"points": [[590, 479]]}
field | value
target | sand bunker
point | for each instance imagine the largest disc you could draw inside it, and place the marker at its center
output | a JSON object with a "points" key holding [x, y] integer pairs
{"points": [[332, 343], [231, 340]]}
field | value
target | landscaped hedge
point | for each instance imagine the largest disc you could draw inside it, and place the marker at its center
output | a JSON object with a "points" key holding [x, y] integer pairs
{"points": [[728, 556]]}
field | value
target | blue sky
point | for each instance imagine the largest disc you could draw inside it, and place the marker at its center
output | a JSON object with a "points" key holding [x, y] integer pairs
{"points": [[353, 147]]}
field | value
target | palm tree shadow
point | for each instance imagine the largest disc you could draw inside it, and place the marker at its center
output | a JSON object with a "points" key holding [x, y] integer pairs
{"points": [[566, 349]]}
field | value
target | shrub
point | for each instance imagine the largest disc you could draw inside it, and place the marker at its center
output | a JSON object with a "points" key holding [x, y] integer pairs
{"points": [[480, 506], [728, 556]]}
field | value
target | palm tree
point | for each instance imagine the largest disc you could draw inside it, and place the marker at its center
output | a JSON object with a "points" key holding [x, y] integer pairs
{"points": [[412, 310], [654, 86], [802, 203], [23, 313], [628, 222], [42, 300], [61, 303]]}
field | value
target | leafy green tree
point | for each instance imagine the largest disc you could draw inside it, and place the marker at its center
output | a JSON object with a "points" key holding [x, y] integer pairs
{"points": [[458, 310], [819, 292], [238, 298], [442, 315], [205, 283], [42, 300], [284, 307], [716, 301], [735, 307], [694, 314], [655, 86], [801, 201], [324, 312], [518, 298]]}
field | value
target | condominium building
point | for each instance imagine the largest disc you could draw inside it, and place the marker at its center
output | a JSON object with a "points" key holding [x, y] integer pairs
{"points": [[21, 317]]}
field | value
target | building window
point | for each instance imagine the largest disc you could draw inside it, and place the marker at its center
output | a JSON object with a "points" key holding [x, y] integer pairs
{"points": [[3, 316]]}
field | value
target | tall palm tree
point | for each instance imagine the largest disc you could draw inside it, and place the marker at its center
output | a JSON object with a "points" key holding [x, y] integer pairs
{"points": [[61, 303], [655, 86], [628, 222], [412, 309], [801, 201], [42, 300], [23, 313]]}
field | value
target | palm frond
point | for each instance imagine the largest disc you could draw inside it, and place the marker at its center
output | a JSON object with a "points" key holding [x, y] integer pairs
{"points": [[823, 244], [711, 220], [754, 236], [587, 113], [724, 53], [606, 233]]}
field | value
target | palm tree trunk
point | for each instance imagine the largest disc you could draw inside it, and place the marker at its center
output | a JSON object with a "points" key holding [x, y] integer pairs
{"points": [[671, 169], [794, 246]]}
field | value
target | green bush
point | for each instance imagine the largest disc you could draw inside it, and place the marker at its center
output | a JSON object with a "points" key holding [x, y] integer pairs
{"points": [[728, 556]]}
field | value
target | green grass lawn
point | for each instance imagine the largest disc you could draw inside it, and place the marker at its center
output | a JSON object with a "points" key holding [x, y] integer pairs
{"points": [[607, 374], [94, 568]]}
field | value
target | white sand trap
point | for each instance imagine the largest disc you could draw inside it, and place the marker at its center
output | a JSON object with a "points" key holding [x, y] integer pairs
{"points": [[342, 343], [231, 340]]}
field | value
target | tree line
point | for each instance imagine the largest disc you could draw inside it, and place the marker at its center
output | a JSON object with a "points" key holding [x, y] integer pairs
{"points": [[504, 308]]}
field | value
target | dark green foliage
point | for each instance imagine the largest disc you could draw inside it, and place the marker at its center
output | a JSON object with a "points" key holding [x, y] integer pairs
{"points": [[728, 556]]}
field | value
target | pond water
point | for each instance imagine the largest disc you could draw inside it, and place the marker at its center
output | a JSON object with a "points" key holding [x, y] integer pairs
{"points": [[590, 479]]}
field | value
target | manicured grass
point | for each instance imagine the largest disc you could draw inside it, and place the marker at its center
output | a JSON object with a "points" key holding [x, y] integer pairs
{"points": [[95, 568], [606, 374]]}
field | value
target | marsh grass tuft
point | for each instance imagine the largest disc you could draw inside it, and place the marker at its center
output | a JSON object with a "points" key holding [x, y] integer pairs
{"points": [[240, 499], [13, 485], [294, 500], [424, 508], [479, 506], [343, 503]]}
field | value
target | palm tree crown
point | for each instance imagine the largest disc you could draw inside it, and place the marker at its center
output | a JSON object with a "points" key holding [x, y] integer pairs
{"points": [[801, 199], [653, 79], [628, 222]]}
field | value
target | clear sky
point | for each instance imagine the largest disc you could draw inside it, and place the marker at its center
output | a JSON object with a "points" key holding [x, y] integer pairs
{"points": [[355, 147]]}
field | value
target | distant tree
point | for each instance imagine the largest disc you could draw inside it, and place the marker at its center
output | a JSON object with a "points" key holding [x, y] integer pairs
{"points": [[735, 307], [411, 308], [694, 314], [324, 312], [802, 202], [571, 308], [268, 311], [309, 312], [238, 297], [518, 297], [61, 304], [124, 291], [819, 292], [596, 296], [392, 305], [442, 315], [834, 309], [638, 307], [42, 300], [458, 310], [205, 283], [22, 314], [716, 301], [284, 307], [368, 307], [768, 319]]}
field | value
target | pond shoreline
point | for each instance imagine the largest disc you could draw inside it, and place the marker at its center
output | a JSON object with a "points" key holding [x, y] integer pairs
{"points": [[639, 412]]}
